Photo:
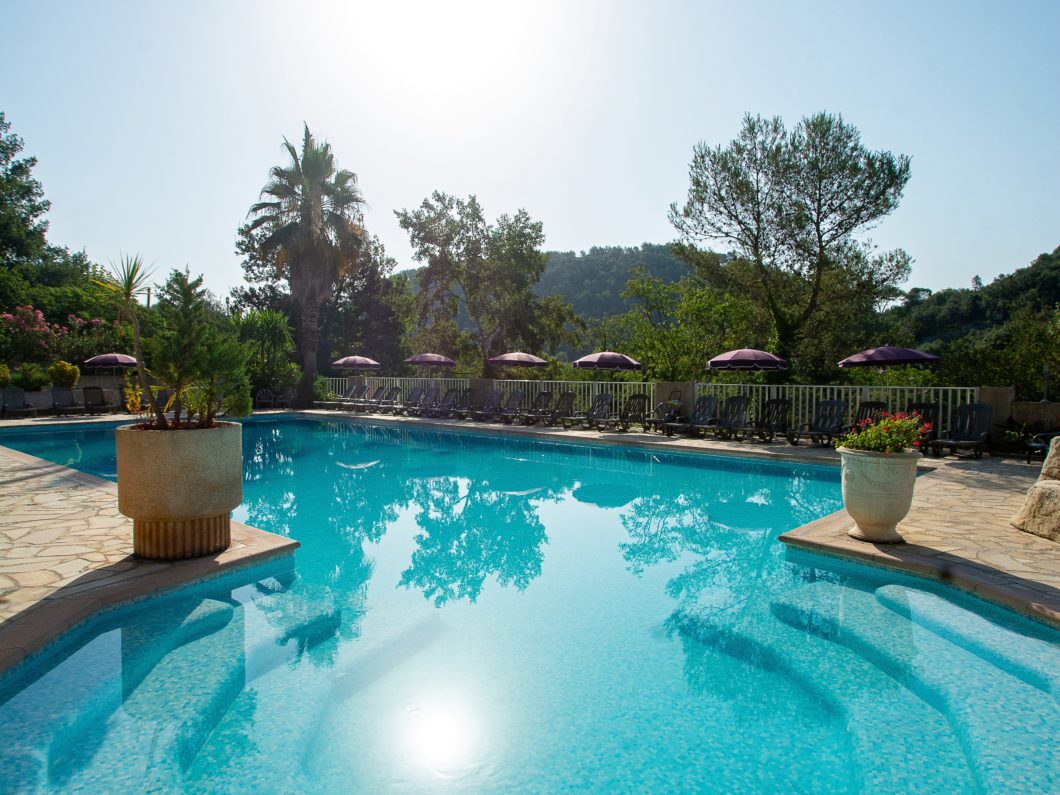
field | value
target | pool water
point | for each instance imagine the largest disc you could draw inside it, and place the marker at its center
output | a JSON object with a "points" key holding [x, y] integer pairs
{"points": [[470, 612]]}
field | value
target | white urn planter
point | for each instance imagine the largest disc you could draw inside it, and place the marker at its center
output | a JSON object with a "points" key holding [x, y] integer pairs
{"points": [[878, 492], [179, 487]]}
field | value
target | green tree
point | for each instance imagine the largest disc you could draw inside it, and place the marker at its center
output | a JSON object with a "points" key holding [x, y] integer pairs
{"points": [[790, 205], [488, 269], [676, 327], [266, 334], [313, 235], [22, 202]]}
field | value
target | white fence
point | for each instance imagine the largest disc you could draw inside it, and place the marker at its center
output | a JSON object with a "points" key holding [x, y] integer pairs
{"points": [[804, 398], [584, 390]]}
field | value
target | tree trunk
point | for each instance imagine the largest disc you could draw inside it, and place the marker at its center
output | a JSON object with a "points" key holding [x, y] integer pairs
{"points": [[310, 341]]}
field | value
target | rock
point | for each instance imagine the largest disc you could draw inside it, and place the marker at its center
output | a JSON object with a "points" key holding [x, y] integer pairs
{"points": [[1040, 513], [1051, 467]]}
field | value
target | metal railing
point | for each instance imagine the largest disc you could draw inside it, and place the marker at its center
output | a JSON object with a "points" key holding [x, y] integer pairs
{"points": [[408, 384], [804, 397], [584, 391]]}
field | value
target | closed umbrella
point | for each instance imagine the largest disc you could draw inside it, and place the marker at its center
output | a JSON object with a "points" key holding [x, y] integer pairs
{"points": [[517, 359], [888, 356], [747, 359], [607, 360]]}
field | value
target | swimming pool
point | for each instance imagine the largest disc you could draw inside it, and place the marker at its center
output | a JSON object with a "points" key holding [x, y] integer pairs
{"points": [[480, 613]]}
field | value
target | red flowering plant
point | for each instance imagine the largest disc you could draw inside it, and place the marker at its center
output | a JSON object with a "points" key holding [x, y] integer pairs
{"points": [[890, 433]]}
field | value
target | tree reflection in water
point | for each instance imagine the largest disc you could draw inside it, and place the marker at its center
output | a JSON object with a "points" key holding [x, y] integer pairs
{"points": [[728, 527]]}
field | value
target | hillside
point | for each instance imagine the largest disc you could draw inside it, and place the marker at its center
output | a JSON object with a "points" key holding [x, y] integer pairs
{"points": [[956, 312], [592, 281]]}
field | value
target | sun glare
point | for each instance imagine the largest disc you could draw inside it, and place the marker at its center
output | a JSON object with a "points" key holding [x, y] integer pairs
{"points": [[441, 735]]}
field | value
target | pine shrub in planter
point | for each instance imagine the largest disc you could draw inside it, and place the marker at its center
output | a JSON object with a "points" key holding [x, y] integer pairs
{"points": [[180, 476]]}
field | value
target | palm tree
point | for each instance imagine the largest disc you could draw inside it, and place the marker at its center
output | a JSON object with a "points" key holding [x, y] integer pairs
{"points": [[312, 220], [129, 279]]}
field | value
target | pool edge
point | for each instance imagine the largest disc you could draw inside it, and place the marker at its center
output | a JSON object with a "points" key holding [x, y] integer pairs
{"points": [[45, 620], [1026, 596]]}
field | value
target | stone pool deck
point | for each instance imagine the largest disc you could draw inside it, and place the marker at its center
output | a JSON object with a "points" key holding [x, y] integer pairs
{"points": [[66, 552]]}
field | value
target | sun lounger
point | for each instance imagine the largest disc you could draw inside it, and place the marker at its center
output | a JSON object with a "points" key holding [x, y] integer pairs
{"points": [[96, 402], [732, 416], [489, 408], [64, 402], [563, 409], [425, 403], [264, 399], [389, 402], [929, 415], [1039, 444], [361, 403], [512, 407], [540, 408], [443, 407], [599, 411], [15, 402], [667, 411], [770, 419], [868, 411], [353, 393], [464, 404], [971, 429], [634, 409], [827, 423], [703, 416]]}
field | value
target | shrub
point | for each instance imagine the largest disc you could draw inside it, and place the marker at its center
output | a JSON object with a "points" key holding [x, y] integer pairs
{"points": [[5, 375], [64, 374], [30, 377], [891, 433], [320, 389]]}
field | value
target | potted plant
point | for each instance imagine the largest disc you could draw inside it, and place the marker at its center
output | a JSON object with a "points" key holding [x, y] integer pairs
{"points": [[180, 472], [879, 472]]}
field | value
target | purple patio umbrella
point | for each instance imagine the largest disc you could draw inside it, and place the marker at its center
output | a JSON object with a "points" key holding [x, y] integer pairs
{"points": [[517, 359], [355, 363], [888, 356], [111, 360], [606, 360], [747, 359], [430, 360]]}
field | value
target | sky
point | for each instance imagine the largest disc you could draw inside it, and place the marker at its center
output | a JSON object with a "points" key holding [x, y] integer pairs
{"points": [[155, 125]]}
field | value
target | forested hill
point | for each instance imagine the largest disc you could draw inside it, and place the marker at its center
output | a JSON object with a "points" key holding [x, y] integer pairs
{"points": [[952, 313], [592, 281]]}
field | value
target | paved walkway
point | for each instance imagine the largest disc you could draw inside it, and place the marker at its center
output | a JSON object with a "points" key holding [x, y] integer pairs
{"points": [[958, 532], [65, 551]]}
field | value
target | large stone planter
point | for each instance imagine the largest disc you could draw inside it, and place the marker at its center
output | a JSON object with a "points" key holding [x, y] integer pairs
{"points": [[179, 488], [878, 492]]}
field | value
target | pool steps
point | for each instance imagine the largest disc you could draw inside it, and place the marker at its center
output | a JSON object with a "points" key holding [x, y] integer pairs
{"points": [[983, 702]]}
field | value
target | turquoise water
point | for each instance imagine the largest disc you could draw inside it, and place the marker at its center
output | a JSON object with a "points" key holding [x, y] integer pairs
{"points": [[472, 613]]}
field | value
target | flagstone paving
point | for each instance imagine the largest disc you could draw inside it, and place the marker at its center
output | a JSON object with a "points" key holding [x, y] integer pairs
{"points": [[66, 552]]}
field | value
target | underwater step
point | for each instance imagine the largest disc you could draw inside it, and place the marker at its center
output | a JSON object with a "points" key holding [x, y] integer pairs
{"points": [[983, 702], [869, 703], [1034, 661]]}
